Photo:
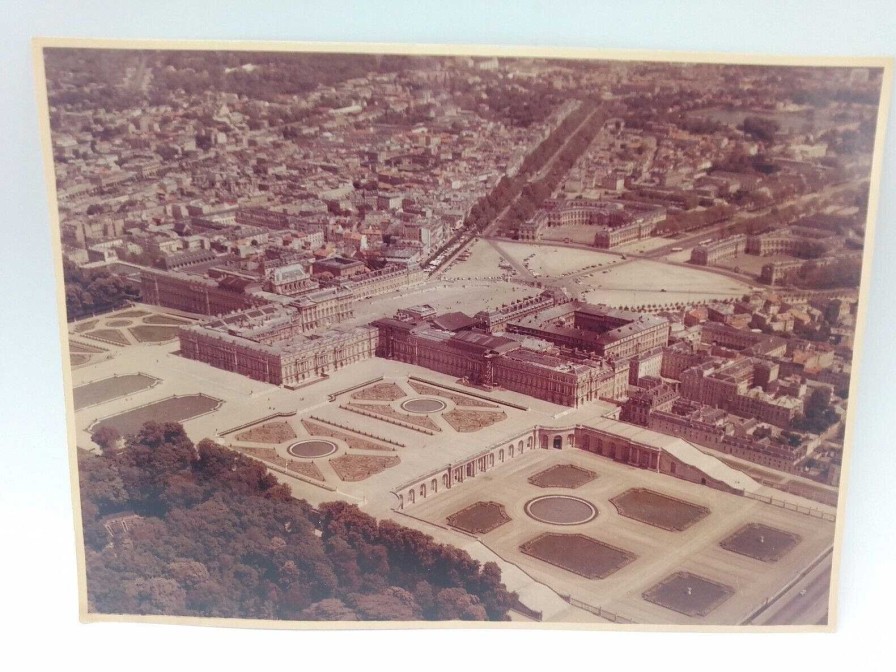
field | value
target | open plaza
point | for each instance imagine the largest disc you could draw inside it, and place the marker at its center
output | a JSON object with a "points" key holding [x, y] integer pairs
{"points": [[469, 296], [568, 527], [618, 278], [642, 282], [555, 261]]}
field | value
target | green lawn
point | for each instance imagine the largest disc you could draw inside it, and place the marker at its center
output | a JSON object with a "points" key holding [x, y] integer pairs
{"points": [[153, 334], [110, 388], [173, 409], [109, 335], [80, 347]]}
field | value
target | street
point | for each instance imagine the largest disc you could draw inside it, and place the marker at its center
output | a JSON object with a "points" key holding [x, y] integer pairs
{"points": [[804, 603]]}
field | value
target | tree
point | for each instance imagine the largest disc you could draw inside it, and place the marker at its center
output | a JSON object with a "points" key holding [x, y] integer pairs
{"points": [[204, 140], [167, 152], [453, 604], [344, 558], [494, 594], [151, 459], [106, 437], [818, 412], [101, 484], [819, 400], [425, 596], [156, 595], [761, 128], [92, 291], [213, 461], [391, 604], [330, 609], [188, 573]]}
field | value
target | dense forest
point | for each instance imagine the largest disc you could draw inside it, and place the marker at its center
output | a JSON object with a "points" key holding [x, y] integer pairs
{"points": [[213, 534]]}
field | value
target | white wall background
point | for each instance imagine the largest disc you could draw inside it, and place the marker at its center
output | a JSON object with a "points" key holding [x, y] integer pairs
{"points": [[38, 601]]}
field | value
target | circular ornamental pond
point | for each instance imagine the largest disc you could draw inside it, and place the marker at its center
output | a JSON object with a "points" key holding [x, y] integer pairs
{"points": [[312, 448], [423, 405], [560, 510]]}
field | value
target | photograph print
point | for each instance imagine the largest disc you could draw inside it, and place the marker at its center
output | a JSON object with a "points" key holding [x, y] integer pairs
{"points": [[361, 335]]}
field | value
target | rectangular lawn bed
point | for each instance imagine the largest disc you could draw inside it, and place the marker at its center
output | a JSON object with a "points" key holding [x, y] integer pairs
{"points": [[74, 346], [113, 336], [479, 518], [150, 333], [688, 594], [761, 542], [172, 409], [562, 476], [111, 388], [578, 553], [658, 510], [271, 432]]}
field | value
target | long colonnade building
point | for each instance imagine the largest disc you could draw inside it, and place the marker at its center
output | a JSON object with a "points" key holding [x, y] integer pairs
{"points": [[586, 211], [392, 278], [780, 272], [618, 441]]}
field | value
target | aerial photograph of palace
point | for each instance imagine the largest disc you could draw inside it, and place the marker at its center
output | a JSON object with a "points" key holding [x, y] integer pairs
{"points": [[394, 337]]}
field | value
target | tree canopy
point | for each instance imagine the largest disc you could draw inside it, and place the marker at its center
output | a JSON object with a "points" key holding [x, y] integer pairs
{"points": [[91, 292], [211, 533]]}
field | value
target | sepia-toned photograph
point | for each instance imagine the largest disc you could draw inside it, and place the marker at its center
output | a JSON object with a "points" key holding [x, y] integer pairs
{"points": [[423, 336]]}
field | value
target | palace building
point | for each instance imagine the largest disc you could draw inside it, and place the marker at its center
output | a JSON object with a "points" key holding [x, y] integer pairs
{"points": [[496, 319], [604, 331], [607, 238], [290, 279], [796, 241], [392, 278], [269, 344], [709, 253], [197, 293], [498, 361]]}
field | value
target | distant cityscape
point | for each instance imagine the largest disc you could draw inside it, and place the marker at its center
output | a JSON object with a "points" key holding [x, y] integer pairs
{"points": [[653, 266]]}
